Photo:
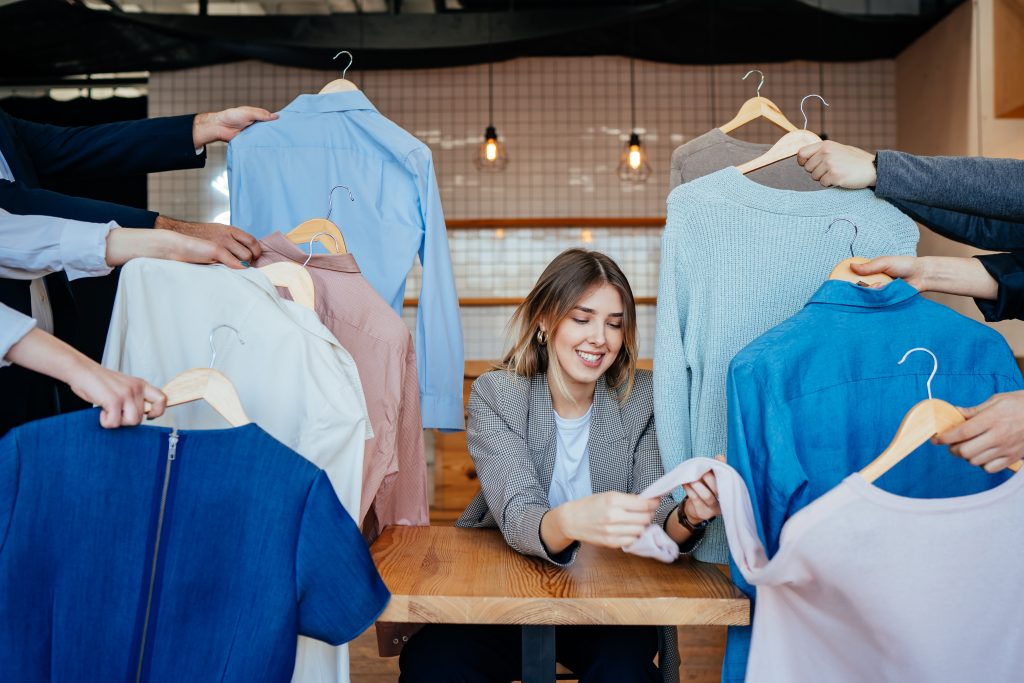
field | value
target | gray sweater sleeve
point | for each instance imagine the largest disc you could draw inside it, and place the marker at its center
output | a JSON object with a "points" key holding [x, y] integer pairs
{"points": [[972, 185]]}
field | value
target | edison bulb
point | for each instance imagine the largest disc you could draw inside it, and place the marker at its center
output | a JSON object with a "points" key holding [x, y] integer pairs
{"points": [[492, 155], [634, 157], [634, 167], [492, 150]]}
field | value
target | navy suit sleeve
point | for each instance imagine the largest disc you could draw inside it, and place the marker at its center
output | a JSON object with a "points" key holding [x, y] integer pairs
{"points": [[8, 482], [20, 199], [340, 593], [978, 231], [1008, 271], [110, 149]]}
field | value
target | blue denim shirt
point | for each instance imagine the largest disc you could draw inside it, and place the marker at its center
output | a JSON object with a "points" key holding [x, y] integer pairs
{"points": [[822, 394], [281, 173], [122, 554]]}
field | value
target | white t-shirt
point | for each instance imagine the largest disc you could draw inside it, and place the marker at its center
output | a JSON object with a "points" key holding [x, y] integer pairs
{"points": [[871, 586], [570, 478]]}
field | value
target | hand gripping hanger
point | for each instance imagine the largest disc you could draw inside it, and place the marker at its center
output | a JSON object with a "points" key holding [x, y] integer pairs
{"points": [[842, 271], [208, 384], [787, 146], [926, 419]]}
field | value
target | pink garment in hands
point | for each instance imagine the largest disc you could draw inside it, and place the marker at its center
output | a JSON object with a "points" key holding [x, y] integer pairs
{"points": [[654, 542]]}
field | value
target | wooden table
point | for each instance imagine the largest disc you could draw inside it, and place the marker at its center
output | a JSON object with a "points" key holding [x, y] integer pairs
{"points": [[444, 575]]}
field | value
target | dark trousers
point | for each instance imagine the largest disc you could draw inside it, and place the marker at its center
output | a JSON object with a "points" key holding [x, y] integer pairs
{"points": [[492, 654]]}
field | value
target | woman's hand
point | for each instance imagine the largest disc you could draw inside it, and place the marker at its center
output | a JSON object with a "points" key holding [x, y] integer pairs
{"points": [[701, 503], [122, 398], [611, 519]]}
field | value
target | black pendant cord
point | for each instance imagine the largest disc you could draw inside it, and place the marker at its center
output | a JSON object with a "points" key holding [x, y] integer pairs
{"points": [[632, 97], [490, 94]]}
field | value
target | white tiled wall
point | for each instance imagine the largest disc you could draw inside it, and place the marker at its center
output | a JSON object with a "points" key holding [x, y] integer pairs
{"points": [[564, 121]]}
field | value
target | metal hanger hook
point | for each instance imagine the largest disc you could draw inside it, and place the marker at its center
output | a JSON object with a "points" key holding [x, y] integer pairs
{"points": [[755, 71], [935, 366], [350, 60], [802, 106], [330, 198], [313, 238], [213, 349], [856, 230]]}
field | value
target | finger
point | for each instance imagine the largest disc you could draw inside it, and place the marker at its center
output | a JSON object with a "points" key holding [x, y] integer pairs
{"points": [[106, 418], [621, 517], [968, 430], [634, 503], [986, 456], [999, 464], [250, 242], [973, 448], [807, 152], [821, 170], [829, 179], [221, 255], [712, 483], [259, 114], [131, 411], [720, 458], [703, 492], [157, 401], [238, 250], [875, 265]]}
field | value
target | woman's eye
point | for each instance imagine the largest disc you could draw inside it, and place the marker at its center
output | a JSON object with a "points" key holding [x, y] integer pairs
{"points": [[616, 326], [581, 322]]}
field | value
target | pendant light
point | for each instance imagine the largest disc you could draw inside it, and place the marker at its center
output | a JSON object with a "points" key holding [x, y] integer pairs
{"points": [[633, 166], [492, 155]]}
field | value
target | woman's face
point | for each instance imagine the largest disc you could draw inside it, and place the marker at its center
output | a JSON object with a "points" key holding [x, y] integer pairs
{"points": [[587, 342]]}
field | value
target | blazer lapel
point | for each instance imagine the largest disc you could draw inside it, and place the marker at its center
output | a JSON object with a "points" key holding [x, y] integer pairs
{"points": [[541, 427], [610, 463]]}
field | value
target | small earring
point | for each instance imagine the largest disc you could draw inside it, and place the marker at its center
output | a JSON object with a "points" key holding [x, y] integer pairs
{"points": [[542, 337]]}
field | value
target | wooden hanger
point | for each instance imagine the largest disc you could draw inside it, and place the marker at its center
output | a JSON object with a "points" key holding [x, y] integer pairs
{"points": [[787, 146], [322, 228], [212, 386], [842, 271], [340, 84], [209, 385], [757, 108], [294, 278], [926, 419]]}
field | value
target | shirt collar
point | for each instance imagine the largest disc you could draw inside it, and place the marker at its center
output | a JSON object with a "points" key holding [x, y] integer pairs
{"points": [[842, 293], [336, 101], [279, 244]]}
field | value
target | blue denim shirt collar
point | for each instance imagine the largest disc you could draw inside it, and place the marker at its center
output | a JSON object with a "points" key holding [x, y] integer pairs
{"points": [[337, 101], [842, 293]]}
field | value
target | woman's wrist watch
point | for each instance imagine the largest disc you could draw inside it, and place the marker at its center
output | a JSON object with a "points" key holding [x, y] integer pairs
{"points": [[685, 521]]}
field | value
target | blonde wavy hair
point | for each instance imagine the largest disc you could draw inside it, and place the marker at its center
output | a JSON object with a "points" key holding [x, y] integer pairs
{"points": [[565, 281]]}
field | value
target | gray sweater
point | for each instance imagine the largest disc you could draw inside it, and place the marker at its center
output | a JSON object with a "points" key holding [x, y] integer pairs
{"points": [[737, 259], [715, 150]]}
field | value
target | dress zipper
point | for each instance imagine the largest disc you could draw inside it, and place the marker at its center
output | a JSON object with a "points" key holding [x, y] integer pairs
{"points": [[172, 453]]}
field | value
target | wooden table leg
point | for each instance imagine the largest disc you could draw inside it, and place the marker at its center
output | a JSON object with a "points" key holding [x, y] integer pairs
{"points": [[538, 654]]}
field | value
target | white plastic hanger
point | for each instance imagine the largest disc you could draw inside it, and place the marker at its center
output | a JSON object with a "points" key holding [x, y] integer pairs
{"points": [[210, 385], [340, 84], [842, 271], [926, 419], [787, 146], [758, 107]]}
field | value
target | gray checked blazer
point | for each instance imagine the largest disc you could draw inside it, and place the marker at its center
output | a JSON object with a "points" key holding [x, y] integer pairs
{"points": [[511, 436]]}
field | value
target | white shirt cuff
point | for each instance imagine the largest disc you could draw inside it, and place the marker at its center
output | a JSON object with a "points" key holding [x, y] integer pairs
{"points": [[13, 326], [83, 249]]}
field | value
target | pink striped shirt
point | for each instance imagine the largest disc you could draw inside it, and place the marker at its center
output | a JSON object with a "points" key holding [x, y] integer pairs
{"points": [[394, 489]]}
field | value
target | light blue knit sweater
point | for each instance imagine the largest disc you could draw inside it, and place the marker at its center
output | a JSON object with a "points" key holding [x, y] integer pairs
{"points": [[738, 258]]}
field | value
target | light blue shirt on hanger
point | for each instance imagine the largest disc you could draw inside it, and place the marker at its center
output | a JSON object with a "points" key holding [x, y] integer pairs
{"points": [[281, 173]]}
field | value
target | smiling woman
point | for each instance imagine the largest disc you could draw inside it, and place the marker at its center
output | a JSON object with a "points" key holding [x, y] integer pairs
{"points": [[562, 436]]}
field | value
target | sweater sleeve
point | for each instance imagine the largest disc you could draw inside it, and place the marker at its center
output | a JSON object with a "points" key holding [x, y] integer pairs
{"points": [[977, 231], [974, 185], [671, 373], [1008, 271]]}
